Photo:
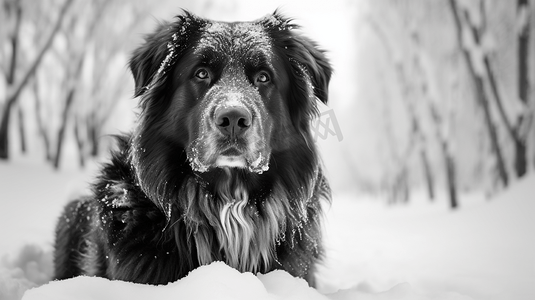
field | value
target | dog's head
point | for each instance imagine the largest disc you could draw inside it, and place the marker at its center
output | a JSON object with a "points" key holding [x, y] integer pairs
{"points": [[231, 93]]}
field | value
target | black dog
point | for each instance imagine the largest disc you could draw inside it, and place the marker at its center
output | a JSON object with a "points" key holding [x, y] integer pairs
{"points": [[221, 165]]}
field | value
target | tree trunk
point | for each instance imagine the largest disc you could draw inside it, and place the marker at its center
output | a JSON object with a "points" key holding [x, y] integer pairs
{"points": [[22, 132], [481, 97], [4, 131], [61, 132], [428, 174], [523, 52], [523, 85], [93, 138], [14, 42], [79, 142], [451, 178], [520, 156]]}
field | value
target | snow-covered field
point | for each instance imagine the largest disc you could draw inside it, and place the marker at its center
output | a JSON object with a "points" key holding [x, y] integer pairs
{"points": [[486, 250]]}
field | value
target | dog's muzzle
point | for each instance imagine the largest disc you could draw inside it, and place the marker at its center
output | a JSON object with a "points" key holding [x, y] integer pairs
{"points": [[232, 131]]}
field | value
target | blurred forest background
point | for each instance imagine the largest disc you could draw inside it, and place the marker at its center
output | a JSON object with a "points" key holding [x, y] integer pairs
{"points": [[431, 95]]}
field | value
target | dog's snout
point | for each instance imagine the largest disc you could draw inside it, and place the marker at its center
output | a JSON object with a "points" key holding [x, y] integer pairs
{"points": [[233, 121]]}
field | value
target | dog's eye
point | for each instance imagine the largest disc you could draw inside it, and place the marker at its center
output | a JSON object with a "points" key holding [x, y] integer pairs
{"points": [[202, 74], [262, 77]]}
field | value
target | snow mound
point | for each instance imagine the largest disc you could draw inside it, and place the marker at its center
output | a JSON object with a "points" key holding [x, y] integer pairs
{"points": [[215, 281], [30, 268]]}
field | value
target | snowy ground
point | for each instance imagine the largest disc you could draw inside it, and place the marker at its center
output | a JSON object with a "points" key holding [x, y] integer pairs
{"points": [[421, 251]]}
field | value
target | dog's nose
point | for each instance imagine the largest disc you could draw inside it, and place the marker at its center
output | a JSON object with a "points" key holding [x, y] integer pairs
{"points": [[233, 121]]}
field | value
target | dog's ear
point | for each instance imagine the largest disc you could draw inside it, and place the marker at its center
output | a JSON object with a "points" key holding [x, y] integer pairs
{"points": [[307, 59], [147, 58], [305, 53], [160, 51]]}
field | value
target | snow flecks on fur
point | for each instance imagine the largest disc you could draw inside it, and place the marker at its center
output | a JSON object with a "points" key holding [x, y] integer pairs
{"points": [[167, 63], [235, 39], [171, 48], [119, 194], [194, 157]]}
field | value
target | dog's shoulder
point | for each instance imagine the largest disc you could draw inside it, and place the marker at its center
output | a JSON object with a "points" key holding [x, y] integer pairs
{"points": [[120, 200]]}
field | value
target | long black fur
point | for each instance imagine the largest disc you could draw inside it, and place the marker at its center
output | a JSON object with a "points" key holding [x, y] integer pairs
{"points": [[152, 219]]}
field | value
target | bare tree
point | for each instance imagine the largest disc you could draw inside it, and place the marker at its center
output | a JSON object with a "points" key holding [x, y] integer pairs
{"points": [[478, 79], [77, 54], [79, 142], [518, 129], [17, 84], [518, 132], [103, 96]]}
